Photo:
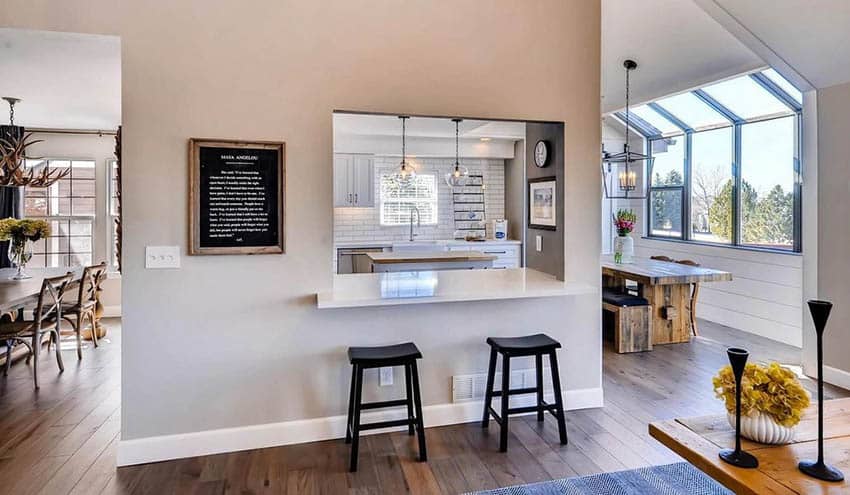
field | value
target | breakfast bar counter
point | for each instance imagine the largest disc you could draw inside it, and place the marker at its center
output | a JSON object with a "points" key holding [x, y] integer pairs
{"points": [[397, 288]]}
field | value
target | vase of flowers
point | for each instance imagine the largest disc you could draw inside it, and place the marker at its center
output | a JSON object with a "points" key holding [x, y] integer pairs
{"points": [[624, 245], [772, 401], [19, 232]]}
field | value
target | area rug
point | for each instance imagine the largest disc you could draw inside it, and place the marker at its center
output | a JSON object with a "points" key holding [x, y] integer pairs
{"points": [[673, 479]]}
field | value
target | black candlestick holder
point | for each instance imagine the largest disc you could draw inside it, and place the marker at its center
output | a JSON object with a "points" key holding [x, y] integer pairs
{"points": [[738, 457], [819, 469]]}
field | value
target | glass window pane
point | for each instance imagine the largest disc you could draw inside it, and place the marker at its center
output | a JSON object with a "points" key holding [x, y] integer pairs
{"points": [[746, 98], [692, 111], [767, 189], [82, 169], [665, 216], [669, 166], [711, 185], [655, 119], [784, 84]]}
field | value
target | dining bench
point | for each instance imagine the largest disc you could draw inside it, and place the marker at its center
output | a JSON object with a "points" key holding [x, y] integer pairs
{"points": [[632, 320]]}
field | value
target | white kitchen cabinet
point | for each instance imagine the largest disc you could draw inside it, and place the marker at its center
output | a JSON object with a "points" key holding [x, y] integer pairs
{"points": [[354, 180]]}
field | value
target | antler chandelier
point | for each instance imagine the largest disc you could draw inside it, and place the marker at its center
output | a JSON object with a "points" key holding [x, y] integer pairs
{"points": [[13, 155]]}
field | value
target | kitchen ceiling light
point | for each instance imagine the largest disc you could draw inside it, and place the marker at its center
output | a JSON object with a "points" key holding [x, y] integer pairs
{"points": [[406, 171], [620, 170], [459, 174]]}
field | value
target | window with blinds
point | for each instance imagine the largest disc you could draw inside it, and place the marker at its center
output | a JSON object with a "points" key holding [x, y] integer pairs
{"points": [[398, 201]]}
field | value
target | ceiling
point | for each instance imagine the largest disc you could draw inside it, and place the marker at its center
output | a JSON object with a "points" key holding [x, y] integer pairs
{"points": [[677, 47], [64, 80], [812, 37], [390, 125]]}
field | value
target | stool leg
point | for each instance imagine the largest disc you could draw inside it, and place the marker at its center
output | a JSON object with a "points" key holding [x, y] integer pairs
{"points": [[488, 392], [559, 400], [409, 392], [506, 381], [538, 364], [355, 426], [420, 423], [350, 404]]}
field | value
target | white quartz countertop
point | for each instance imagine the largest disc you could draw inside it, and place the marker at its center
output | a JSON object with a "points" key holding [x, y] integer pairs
{"points": [[362, 244], [396, 288], [429, 257]]}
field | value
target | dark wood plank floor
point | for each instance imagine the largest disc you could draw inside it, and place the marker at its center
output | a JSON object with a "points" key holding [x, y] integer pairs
{"points": [[63, 438]]}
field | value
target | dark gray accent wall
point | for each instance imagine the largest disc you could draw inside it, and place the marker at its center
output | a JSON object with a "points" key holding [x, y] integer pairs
{"points": [[551, 258], [515, 192]]}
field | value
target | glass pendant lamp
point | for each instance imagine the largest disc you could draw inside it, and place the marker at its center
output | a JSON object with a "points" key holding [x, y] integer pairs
{"points": [[459, 174]]}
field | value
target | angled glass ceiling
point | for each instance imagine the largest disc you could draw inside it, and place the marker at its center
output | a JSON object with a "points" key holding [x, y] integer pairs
{"points": [[692, 111], [748, 98], [656, 120]]}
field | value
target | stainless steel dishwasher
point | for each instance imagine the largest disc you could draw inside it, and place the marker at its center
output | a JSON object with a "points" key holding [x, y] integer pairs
{"points": [[354, 260]]}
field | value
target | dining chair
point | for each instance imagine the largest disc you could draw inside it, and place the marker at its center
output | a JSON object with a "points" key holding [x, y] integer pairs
{"points": [[694, 294], [77, 312], [662, 258], [46, 318]]}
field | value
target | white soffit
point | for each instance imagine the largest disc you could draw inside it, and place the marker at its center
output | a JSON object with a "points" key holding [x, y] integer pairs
{"points": [[65, 80], [813, 37], [427, 127], [677, 47]]}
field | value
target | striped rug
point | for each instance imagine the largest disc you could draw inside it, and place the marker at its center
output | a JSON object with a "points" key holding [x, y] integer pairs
{"points": [[673, 479]]}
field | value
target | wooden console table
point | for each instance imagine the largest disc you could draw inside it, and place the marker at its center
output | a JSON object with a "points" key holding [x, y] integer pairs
{"points": [[699, 440]]}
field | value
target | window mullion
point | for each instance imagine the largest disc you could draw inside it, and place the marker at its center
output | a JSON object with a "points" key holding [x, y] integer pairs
{"points": [[736, 189], [686, 190]]}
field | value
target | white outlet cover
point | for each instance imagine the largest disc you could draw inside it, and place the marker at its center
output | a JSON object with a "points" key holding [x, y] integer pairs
{"points": [[162, 257], [539, 243]]}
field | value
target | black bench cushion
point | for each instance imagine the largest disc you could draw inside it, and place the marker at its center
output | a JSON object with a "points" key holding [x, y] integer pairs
{"points": [[384, 355], [623, 300], [526, 343]]}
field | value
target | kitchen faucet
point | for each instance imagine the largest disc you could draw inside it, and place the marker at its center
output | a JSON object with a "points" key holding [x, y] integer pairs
{"points": [[418, 218]]}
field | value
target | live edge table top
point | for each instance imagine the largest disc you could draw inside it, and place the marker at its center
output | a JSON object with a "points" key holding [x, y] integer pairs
{"points": [[700, 439], [654, 272]]}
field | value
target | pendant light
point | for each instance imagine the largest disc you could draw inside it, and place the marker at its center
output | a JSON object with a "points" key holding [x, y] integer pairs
{"points": [[459, 174], [406, 171], [620, 170], [13, 154]]}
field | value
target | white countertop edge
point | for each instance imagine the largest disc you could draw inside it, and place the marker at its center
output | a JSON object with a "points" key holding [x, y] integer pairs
{"points": [[453, 242]]}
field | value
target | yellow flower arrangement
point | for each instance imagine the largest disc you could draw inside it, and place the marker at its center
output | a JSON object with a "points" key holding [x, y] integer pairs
{"points": [[23, 229], [770, 389]]}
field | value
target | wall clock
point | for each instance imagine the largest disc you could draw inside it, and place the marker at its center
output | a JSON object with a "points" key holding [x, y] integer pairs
{"points": [[541, 153]]}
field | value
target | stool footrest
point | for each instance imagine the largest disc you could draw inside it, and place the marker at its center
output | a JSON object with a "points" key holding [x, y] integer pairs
{"points": [[543, 407], [386, 403], [516, 391], [388, 424], [495, 415]]}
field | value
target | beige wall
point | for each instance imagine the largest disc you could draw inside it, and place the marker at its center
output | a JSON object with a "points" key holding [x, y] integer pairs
{"points": [[230, 341], [833, 255]]}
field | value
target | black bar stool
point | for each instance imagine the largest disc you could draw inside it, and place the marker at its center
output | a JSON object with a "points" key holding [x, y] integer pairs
{"points": [[378, 357], [510, 347]]}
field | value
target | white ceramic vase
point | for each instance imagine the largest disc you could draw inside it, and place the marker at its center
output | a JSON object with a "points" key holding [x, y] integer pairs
{"points": [[762, 428], [624, 249]]}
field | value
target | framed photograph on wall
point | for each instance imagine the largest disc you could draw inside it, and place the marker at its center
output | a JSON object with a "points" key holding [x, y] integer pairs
{"points": [[236, 196], [542, 203]]}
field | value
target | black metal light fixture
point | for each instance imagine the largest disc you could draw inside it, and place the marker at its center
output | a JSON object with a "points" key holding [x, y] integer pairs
{"points": [[458, 175], [619, 170], [11, 131]]}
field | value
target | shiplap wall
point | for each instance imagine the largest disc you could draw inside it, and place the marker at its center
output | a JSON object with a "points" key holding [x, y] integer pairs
{"points": [[765, 295]]}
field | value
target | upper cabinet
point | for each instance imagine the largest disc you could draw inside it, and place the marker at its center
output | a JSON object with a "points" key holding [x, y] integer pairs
{"points": [[354, 180]]}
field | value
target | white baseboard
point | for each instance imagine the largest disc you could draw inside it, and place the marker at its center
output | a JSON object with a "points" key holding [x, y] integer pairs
{"points": [[161, 448], [833, 376], [112, 311]]}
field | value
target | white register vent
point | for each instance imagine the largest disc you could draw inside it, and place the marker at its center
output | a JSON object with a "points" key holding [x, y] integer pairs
{"points": [[471, 387]]}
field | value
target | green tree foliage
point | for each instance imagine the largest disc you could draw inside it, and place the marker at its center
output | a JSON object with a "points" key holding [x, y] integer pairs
{"points": [[667, 206], [764, 221]]}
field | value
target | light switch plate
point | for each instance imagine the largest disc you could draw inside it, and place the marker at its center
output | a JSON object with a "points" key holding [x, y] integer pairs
{"points": [[159, 257], [539, 243], [386, 376]]}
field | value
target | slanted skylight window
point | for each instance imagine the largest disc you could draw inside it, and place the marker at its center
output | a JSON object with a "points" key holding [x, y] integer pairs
{"points": [[692, 111], [784, 84], [656, 120], [746, 99]]}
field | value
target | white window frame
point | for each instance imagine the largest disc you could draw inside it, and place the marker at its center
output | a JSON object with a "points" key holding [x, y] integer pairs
{"points": [[432, 201], [111, 217]]}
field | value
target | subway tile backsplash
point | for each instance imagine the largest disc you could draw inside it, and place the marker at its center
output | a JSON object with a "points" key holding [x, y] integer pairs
{"points": [[363, 224]]}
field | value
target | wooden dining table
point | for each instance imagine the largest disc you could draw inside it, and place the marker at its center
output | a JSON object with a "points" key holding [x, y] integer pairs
{"points": [[667, 288], [698, 440], [15, 294]]}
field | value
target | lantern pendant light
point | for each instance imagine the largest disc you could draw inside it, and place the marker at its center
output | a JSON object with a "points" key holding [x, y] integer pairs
{"points": [[406, 171], [459, 174], [620, 170]]}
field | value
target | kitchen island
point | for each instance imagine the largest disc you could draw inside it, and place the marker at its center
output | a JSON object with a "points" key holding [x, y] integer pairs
{"points": [[429, 260]]}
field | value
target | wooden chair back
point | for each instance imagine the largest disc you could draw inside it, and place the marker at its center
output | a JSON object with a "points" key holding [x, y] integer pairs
{"points": [[662, 258], [50, 298], [90, 282]]}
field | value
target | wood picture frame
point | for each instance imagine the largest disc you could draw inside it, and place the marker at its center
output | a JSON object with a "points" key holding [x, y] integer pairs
{"points": [[543, 203], [254, 169]]}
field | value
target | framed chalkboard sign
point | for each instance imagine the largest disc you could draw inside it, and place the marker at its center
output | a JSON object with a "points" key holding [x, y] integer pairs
{"points": [[236, 197]]}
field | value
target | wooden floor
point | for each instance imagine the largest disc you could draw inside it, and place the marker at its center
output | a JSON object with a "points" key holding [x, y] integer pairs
{"points": [[63, 438]]}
